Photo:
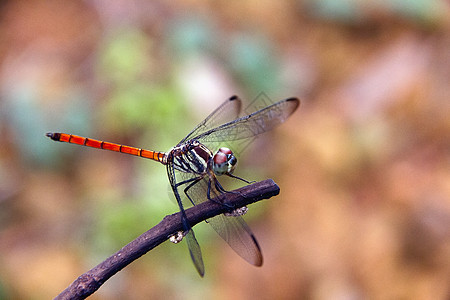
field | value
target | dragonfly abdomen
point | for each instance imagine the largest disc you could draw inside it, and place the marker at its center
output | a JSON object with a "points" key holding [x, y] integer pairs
{"points": [[88, 142]]}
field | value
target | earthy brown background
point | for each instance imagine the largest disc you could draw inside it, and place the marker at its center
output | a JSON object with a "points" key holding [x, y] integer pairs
{"points": [[363, 166]]}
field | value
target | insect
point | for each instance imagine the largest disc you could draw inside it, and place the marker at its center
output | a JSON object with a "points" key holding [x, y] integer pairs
{"points": [[195, 163]]}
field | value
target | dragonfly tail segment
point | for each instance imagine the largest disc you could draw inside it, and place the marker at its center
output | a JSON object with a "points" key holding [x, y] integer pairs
{"points": [[88, 142]]}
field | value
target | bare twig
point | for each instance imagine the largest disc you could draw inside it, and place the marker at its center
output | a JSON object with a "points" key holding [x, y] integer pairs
{"points": [[91, 281]]}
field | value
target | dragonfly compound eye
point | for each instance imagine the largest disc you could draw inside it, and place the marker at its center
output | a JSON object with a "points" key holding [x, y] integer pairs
{"points": [[225, 150], [220, 163], [224, 161], [232, 161]]}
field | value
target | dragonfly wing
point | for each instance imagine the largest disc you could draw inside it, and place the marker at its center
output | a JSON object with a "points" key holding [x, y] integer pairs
{"points": [[238, 235], [196, 252], [233, 229], [226, 112], [193, 246], [254, 124]]}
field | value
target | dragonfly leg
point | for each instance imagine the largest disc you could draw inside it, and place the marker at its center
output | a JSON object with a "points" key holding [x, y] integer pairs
{"points": [[193, 182], [219, 186], [220, 189], [235, 211], [188, 180], [240, 178]]}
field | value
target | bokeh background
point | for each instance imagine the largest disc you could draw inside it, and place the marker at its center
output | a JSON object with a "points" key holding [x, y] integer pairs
{"points": [[363, 165]]}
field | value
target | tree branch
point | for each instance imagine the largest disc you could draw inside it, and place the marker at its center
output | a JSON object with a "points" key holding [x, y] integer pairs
{"points": [[91, 281]]}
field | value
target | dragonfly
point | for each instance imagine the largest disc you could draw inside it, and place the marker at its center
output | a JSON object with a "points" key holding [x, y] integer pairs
{"points": [[195, 163]]}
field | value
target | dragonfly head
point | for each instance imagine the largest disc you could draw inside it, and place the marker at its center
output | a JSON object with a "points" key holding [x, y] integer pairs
{"points": [[223, 161]]}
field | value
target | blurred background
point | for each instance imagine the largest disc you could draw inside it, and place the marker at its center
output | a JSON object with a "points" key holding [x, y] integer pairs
{"points": [[363, 165]]}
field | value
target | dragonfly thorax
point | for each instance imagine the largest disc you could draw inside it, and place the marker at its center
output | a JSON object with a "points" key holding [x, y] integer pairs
{"points": [[191, 157], [223, 161]]}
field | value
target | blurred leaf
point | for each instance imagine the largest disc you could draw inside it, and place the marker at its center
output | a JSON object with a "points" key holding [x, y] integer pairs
{"points": [[30, 120], [118, 223], [192, 35], [124, 56], [347, 11], [3, 291], [354, 11], [254, 61], [417, 10], [142, 106]]}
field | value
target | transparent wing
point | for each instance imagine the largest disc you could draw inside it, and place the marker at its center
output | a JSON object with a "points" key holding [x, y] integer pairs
{"points": [[195, 252], [193, 246], [238, 235], [227, 111], [233, 229], [254, 124]]}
